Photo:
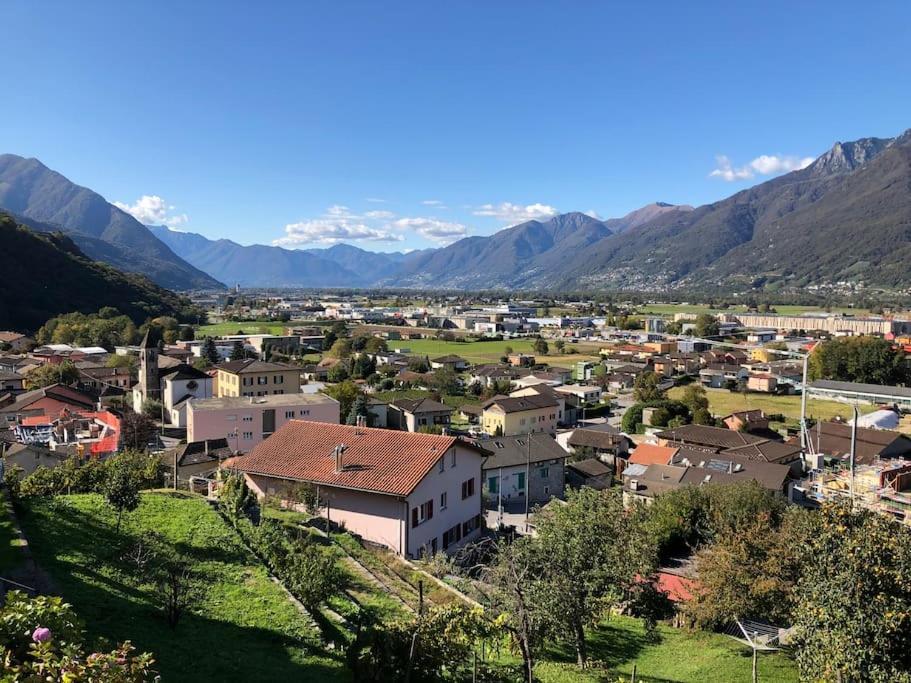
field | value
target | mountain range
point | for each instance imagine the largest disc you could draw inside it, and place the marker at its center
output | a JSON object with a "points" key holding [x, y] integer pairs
{"points": [[845, 218], [45, 274], [47, 201]]}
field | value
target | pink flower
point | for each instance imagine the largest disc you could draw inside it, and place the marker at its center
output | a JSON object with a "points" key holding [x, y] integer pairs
{"points": [[41, 634]]}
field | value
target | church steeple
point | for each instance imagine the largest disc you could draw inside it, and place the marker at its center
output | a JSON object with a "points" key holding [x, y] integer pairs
{"points": [[148, 366]]}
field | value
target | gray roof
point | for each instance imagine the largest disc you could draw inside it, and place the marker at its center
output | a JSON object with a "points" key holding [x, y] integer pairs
{"points": [[857, 388], [420, 405], [509, 451]]}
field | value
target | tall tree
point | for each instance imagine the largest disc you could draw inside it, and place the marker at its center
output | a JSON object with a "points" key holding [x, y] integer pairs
{"points": [[595, 553], [121, 488], [706, 325], [237, 351], [864, 359], [50, 373], [854, 598], [209, 352], [645, 387]]}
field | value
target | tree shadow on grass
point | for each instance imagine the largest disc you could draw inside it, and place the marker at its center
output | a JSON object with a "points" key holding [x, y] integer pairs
{"points": [[609, 644]]}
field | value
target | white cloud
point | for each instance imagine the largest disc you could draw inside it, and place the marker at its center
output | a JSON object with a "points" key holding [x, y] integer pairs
{"points": [[375, 200], [515, 213], [433, 229], [150, 209], [765, 164], [592, 213], [332, 231], [436, 203], [339, 211], [379, 215]]}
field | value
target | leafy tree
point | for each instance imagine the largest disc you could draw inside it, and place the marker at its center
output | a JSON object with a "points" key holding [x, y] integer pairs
{"points": [[338, 373], [517, 597], [209, 352], [868, 360], [853, 598], [595, 551], [125, 361], [236, 499], [445, 380], [559, 345], [121, 489], [689, 517], [419, 364], [136, 430], [363, 367], [47, 374], [674, 327], [435, 646], [345, 393], [314, 573], [358, 409], [540, 347], [329, 339], [187, 333], [152, 408], [341, 349], [706, 325], [238, 352], [645, 387], [376, 345], [750, 572]]}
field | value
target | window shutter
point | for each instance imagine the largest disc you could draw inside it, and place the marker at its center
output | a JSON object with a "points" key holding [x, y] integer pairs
{"points": [[430, 509], [414, 517]]}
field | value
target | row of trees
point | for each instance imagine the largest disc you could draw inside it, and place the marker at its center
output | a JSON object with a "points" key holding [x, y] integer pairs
{"points": [[863, 359], [107, 328]]}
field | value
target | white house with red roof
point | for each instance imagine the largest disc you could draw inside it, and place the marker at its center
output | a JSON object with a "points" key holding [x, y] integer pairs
{"points": [[414, 493]]}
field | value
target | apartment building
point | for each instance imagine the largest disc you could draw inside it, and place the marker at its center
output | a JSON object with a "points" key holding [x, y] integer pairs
{"points": [[257, 378], [246, 420]]}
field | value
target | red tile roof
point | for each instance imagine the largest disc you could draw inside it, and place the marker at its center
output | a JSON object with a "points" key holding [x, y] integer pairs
{"points": [[384, 461], [651, 454]]}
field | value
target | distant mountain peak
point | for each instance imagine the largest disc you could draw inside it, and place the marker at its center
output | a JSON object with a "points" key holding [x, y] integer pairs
{"points": [[845, 157]]}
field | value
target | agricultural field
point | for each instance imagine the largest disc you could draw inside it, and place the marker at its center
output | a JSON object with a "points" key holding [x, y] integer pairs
{"points": [[243, 628], [219, 329], [492, 351], [723, 402]]}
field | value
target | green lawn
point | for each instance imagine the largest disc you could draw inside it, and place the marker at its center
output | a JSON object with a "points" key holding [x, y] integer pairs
{"points": [[10, 550], [218, 329], [244, 629], [723, 402], [674, 655]]}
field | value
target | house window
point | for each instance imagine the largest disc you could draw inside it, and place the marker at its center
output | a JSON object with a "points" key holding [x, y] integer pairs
{"points": [[471, 525], [443, 500], [493, 484], [520, 476], [278, 379], [248, 436], [452, 461], [304, 413], [289, 414], [247, 418], [262, 380], [442, 465], [545, 472], [422, 513], [468, 488]]}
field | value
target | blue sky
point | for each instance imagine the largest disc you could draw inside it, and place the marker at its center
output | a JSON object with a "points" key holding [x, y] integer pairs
{"points": [[400, 125]]}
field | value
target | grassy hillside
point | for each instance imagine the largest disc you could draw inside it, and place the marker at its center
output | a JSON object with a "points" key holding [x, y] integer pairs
{"points": [[245, 628], [45, 275]]}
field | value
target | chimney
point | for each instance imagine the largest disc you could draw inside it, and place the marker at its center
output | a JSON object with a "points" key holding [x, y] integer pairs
{"points": [[338, 452]]}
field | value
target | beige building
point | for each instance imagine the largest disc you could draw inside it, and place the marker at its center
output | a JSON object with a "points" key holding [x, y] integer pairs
{"points": [[256, 378], [505, 416], [831, 323], [246, 420]]}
